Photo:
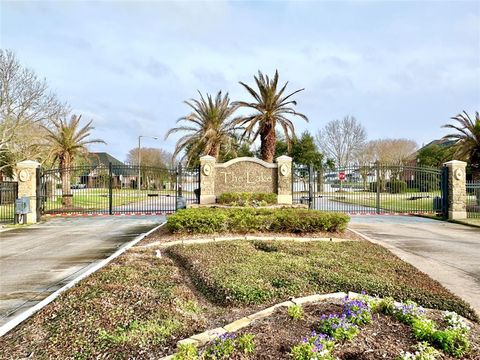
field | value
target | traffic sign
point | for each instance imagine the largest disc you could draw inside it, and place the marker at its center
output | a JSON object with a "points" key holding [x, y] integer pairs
{"points": [[341, 176]]}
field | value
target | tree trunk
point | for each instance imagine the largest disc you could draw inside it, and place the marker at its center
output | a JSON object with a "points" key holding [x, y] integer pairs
{"points": [[268, 139], [215, 151], [476, 184], [65, 175]]}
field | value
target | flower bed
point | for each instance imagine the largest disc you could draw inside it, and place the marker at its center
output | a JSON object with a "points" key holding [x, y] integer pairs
{"points": [[243, 220], [355, 329]]}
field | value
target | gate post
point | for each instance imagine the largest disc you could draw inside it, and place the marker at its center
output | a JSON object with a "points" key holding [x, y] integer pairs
{"points": [[207, 180], [26, 174], [284, 180], [457, 193]]}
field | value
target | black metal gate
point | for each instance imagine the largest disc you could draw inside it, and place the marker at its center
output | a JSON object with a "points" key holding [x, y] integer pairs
{"points": [[115, 189], [8, 195], [373, 188]]}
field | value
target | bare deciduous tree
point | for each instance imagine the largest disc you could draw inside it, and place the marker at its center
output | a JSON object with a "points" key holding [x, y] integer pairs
{"points": [[391, 151], [150, 157], [342, 140], [25, 105]]}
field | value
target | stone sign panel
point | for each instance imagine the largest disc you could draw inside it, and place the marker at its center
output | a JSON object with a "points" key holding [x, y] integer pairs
{"points": [[245, 175]]}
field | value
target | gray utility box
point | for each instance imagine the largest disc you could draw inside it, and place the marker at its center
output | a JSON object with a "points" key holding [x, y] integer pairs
{"points": [[181, 202], [22, 206]]}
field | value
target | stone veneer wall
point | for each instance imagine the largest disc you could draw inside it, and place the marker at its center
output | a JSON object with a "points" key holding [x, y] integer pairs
{"points": [[245, 175]]}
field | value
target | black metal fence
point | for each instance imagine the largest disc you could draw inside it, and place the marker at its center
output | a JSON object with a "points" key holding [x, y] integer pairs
{"points": [[473, 199], [8, 194], [115, 189], [372, 188]]}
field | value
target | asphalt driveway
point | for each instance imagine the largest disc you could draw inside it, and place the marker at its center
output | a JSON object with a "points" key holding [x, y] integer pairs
{"points": [[449, 253], [39, 259]]}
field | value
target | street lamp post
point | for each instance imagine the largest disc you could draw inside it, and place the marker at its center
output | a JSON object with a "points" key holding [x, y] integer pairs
{"points": [[140, 159]]}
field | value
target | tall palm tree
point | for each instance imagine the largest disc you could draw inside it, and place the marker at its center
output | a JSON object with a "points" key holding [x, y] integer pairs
{"points": [[209, 127], [467, 136], [467, 146], [271, 108], [67, 140]]}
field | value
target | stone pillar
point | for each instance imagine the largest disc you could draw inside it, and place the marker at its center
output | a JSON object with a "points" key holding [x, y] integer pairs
{"points": [[26, 172], [207, 180], [457, 194], [284, 176]]}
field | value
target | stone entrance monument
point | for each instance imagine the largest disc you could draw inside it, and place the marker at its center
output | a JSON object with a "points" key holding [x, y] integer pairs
{"points": [[245, 174]]}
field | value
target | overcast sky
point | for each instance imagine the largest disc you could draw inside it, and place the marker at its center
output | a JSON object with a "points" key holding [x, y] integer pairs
{"points": [[401, 68]]}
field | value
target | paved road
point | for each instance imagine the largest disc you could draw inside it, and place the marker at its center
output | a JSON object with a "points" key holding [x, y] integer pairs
{"points": [[328, 203], [449, 253], [39, 259]]}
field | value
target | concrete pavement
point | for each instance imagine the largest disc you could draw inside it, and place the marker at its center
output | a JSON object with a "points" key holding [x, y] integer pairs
{"points": [[448, 253], [39, 259]]}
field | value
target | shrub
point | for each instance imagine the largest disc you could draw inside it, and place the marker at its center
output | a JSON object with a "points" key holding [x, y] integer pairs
{"points": [[316, 347], [397, 186], [357, 311], [424, 352], [295, 312], [408, 312], [373, 186], [228, 345], [221, 348], [235, 220], [186, 352], [247, 199], [246, 344], [338, 327]]}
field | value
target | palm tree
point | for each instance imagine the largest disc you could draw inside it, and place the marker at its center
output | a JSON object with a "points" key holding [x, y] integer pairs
{"points": [[467, 146], [271, 109], [67, 140], [208, 127]]}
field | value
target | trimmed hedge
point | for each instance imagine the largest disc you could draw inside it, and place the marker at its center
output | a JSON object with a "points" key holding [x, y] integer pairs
{"points": [[247, 199], [243, 220], [397, 186]]}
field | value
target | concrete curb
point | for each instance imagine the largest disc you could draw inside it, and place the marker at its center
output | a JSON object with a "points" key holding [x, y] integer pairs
{"points": [[5, 328], [235, 238], [209, 335]]}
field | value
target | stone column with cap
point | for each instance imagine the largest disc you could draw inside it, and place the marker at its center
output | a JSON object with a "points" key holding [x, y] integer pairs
{"points": [[284, 180], [207, 180], [26, 173], [457, 193]]}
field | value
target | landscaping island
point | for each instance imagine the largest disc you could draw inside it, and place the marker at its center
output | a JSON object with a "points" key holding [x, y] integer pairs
{"points": [[211, 266]]}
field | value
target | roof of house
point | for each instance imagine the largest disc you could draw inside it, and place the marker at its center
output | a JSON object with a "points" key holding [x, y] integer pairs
{"points": [[440, 142], [103, 159]]}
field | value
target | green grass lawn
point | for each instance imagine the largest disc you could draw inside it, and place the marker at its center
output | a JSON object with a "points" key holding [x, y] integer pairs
{"points": [[97, 199], [6, 212], [406, 202], [245, 272]]}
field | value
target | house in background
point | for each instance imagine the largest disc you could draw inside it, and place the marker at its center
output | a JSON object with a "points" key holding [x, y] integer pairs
{"points": [[123, 176]]}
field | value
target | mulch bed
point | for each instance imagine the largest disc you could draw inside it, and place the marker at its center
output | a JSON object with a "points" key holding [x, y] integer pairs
{"points": [[384, 338], [164, 236]]}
